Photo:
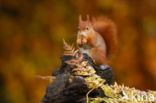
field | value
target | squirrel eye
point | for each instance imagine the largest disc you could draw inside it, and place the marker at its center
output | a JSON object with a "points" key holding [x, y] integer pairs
{"points": [[87, 28]]}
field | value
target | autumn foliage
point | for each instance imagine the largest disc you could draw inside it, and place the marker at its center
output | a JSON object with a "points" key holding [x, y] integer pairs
{"points": [[31, 33]]}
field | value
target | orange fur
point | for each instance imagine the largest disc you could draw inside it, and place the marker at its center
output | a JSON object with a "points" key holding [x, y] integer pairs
{"points": [[106, 28], [97, 38], [99, 56]]}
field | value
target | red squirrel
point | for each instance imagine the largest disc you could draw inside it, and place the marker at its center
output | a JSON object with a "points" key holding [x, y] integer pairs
{"points": [[97, 38]]}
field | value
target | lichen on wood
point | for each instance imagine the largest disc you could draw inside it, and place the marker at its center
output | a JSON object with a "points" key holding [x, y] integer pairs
{"points": [[79, 80]]}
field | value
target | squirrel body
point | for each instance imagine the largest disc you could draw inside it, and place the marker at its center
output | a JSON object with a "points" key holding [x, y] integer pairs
{"points": [[97, 38]]}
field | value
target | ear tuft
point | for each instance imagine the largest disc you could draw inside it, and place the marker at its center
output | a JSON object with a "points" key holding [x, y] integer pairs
{"points": [[80, 18], [88, 17]]}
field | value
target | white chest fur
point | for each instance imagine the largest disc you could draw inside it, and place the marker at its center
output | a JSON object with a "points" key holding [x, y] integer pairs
{"points": [[86, 50]]}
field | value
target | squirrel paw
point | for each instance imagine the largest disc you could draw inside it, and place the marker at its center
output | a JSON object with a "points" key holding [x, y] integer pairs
{"points": [[104, 67]]}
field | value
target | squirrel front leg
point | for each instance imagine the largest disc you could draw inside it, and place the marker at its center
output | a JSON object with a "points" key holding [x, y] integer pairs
{"points": [[81, 40]]}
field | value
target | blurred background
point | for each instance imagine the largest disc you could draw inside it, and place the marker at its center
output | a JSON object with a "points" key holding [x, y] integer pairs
{"points": [[31, 33]]}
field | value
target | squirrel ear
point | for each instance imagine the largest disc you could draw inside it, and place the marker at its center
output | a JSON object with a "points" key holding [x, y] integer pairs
{"points": [[88, 17], [80, 18]]}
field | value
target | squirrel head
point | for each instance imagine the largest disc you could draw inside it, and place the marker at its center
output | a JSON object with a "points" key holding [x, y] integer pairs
{"points": [[85, 30], [85, 27]]}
